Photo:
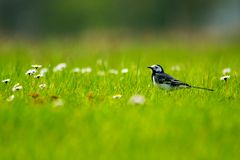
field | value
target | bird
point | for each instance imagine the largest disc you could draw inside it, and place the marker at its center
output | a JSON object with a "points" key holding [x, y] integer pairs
{"points": [[167, 82]]}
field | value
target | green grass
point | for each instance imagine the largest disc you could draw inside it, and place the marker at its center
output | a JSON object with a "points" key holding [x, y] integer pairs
{"points": [[182, 124]]}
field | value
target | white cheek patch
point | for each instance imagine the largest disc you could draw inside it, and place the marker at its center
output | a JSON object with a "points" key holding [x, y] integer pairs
{"points": [[159, 69]]}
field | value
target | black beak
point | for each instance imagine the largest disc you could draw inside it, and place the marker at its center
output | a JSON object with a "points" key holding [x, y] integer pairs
{"points": [[149, 67]]}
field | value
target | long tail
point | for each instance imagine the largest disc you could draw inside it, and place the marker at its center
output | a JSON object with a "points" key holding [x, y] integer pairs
{"points": [[202, 88]]}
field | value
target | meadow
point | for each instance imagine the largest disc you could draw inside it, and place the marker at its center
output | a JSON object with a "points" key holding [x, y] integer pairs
{"points": [[75, 116]]}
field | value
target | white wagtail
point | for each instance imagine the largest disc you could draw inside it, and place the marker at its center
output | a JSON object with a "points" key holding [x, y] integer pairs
{"points": [[167, 82]]}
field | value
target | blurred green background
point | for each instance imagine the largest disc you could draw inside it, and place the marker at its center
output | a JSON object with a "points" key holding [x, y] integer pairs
{"points": [[201, 36], [56, 17]]}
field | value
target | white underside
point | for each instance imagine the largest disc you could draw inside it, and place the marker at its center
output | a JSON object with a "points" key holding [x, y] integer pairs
{"points": [[167, 86], [163, 86]]}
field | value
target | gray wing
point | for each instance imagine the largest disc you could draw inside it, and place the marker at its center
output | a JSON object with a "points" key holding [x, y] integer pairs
{"points": [[164, 78]]}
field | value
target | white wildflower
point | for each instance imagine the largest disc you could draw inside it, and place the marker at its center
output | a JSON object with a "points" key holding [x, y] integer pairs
{"points": [[42, 86], [36, 66], [6, 81], [101, 73], [225, 78], [11, 98], [76, 70], [59, 67], [113, 71], [17, 87], [86, 70], [175, 68], [38, 76], [226, 71], [117, 96], [43, 71], [124, 70], [137, 100], [31, 72]]}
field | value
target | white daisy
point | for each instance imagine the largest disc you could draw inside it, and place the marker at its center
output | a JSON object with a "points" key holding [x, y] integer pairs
{"points": [[59, 67], [43, 71], [137, 100], [226, 71], [39, 76], [36, 66], [42, 86], [124, 70], [113, 71], [117, 96], [86, 70], [76, 70], [225, 78], [6, 81], [31, 72], [10, 98], [17, 87]]}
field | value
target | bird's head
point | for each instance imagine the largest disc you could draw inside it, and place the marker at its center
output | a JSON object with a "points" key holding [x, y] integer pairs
{"points": [[156, 68]]}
